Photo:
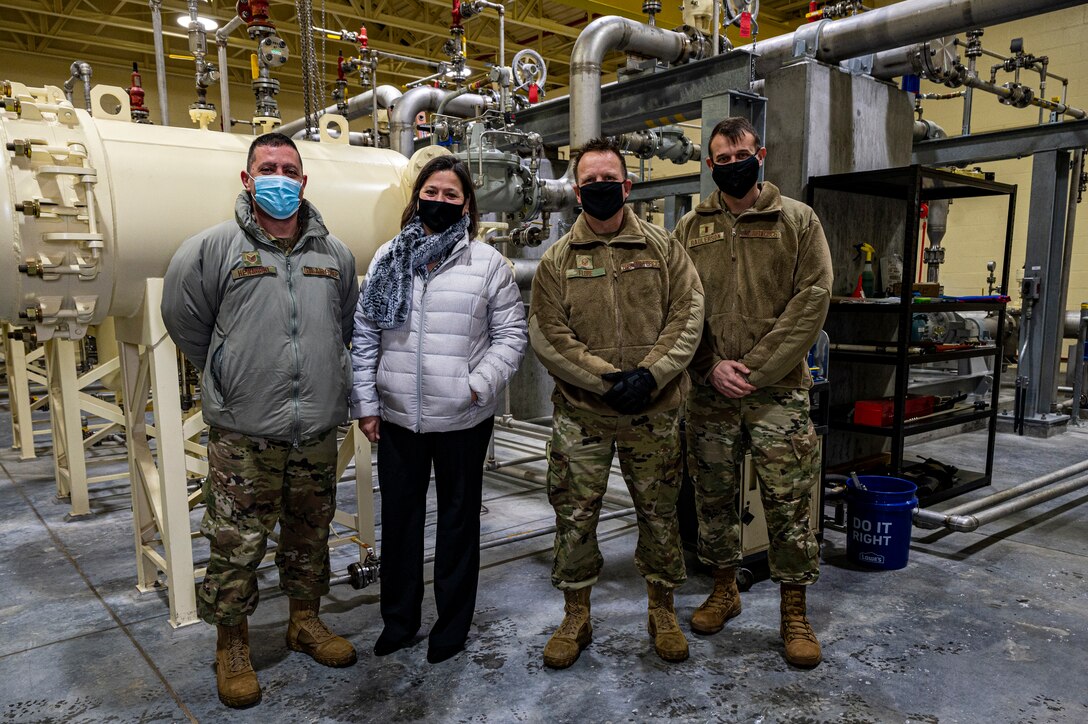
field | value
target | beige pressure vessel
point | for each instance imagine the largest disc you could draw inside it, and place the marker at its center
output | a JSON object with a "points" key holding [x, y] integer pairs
{"points": [[91, 207]]}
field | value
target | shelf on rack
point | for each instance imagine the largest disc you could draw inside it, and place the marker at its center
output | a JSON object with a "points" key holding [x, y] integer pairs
{"points": [[863, 307], [891, 358], [912, 428]]}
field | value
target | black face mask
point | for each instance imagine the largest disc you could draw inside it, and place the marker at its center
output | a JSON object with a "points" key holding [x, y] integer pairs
{"points": [[439, 215], [737, 178], [602, 199]]}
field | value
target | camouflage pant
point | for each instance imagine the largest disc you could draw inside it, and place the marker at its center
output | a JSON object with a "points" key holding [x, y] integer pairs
{"points": [[579, 462], [785, 455], [252, 483]]}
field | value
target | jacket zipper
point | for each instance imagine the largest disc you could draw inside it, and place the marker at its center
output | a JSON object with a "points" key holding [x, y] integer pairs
{"points": [[419, 354], [294, 346], [615, 280]]}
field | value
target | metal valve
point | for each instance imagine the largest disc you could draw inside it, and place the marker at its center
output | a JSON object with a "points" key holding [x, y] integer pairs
{"points": [[368, 571]]}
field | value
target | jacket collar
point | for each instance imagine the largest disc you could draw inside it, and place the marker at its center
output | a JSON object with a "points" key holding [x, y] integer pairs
{"points": [[769, 201], [310, 222], [630, 231]]}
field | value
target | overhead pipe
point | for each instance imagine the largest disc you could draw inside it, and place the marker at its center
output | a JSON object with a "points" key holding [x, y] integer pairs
{"points": [[425, 98], [160, 58], [221, 39], [360, 105], [891, 27], [603, 35]]}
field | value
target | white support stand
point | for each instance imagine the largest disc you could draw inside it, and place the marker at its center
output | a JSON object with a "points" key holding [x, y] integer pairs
{"points": [[23, 369], [67, 401], [160, 501]]}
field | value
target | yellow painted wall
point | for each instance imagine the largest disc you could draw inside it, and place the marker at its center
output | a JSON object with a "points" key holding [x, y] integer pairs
{"points": [[975, 227]]}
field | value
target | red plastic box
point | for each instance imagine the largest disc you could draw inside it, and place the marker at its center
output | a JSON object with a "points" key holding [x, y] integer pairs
{"points": [[881, 413]]}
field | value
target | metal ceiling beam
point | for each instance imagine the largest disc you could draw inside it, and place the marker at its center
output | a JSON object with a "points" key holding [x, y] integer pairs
{"points": [[669, 16], [548, 26]]}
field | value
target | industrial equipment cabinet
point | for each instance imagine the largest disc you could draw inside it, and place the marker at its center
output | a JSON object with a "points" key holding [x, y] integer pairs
{"points": [[883, 208]]}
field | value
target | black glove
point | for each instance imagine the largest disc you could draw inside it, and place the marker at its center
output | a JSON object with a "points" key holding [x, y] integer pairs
{"points": [[631, 390]]}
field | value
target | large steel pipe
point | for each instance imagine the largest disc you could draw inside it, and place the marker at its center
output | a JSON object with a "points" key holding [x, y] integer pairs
{"points": [[402, 129], [601, 36], [894, 26], [358, 106]]}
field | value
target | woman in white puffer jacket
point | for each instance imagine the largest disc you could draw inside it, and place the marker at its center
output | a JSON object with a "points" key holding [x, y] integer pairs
{"points": [[439, 331]]}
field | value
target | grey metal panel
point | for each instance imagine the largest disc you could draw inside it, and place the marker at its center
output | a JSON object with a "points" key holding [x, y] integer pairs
{"points": [[658, 99], [714, 109], [823, 120], [663, 188], [1015, 143], [1045, 246]]}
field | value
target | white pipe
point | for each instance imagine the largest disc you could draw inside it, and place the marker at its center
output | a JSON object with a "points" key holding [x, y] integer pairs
{"points": [[160, 58], [360, 105], [896, 25], [603, 35]]}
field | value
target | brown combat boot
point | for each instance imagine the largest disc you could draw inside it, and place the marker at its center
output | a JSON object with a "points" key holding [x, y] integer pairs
{"points": [[802, 647], [309, 634], [669, 641], [722, 604], [573, 634], [234, 675]]}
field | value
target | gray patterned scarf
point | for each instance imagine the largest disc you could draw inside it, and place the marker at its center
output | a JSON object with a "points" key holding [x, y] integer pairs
{"points": [[387, 299]]}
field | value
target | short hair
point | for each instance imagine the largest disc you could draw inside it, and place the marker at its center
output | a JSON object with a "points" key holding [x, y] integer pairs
{"points": [[271, 140], [445, 162], [600, 145], [735, 129]]}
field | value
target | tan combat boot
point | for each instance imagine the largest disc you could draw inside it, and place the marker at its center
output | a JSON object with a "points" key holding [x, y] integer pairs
{"points": [[669, 641], [802, 647], [722, 604], [234, 675], [573, 634], [309, 634]]}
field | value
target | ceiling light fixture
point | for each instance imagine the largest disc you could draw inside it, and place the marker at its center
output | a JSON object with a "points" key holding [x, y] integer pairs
{"points": [[208, 23]]}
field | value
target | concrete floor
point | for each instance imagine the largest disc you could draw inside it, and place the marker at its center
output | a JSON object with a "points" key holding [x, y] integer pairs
{"points": [[980, 627]]}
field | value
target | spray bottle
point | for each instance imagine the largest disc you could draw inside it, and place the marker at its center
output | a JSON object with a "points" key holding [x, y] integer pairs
{"points": [[867, 280]]}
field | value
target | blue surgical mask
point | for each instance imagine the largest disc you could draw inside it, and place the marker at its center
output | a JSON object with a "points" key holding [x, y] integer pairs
{"points": [[278, 196]]}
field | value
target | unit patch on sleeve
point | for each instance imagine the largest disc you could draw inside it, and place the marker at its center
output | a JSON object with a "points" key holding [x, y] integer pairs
{"points": [[320, 271], [640, 264]]}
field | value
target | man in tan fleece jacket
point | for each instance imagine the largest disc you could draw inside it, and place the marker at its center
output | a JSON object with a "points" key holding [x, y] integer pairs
{"points": [[766, 268], [616, 314]]}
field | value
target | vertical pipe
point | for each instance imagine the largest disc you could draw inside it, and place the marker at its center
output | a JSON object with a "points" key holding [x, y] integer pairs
{"points": [[968, 96], [1067, 250], [716, 22], [160, 58], [374, 111], [224, 86]]}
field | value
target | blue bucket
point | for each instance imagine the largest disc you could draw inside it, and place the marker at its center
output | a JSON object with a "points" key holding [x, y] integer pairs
{"points": [[879, 520]]}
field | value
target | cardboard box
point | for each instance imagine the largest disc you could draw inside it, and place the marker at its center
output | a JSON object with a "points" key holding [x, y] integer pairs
{"points": [[924, 289]]}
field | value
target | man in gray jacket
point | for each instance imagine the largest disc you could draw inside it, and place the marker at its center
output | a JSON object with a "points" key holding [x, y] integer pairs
{"points": [[255, 303]]}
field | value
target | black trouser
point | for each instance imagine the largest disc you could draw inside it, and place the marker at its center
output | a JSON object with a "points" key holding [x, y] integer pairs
{"points": [[404, 473]]}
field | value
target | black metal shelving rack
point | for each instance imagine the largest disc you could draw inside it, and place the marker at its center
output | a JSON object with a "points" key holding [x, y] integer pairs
{"points": [[913, 186]]}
